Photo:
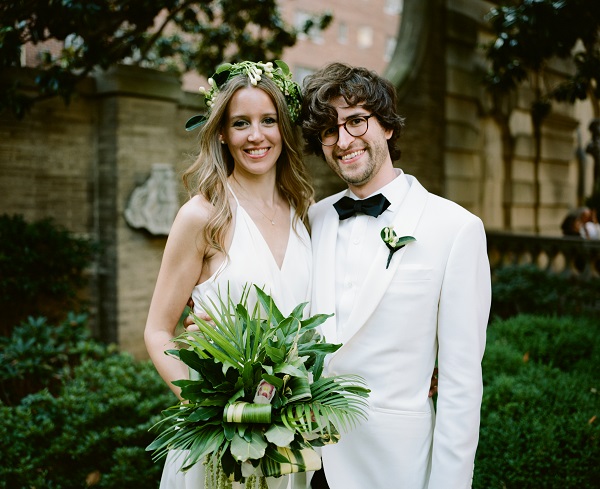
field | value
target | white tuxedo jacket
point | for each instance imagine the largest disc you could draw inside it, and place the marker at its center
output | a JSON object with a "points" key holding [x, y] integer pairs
{"points": [[432, 302]]}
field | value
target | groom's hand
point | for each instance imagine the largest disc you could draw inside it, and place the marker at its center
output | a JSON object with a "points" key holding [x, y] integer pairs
{"points": [[188, 322], [433, 387]]}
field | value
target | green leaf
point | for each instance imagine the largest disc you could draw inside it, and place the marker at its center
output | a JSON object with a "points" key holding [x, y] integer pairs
{"points": [[206, 441], [283, 65], [290, 370], [269, 306], [223, 67], [291, 328], [214, 400], [337, 401], [300, 388], [195, 121], [315, 321], [204, 413], [318, 348], [243, 450], [298, 310], [207, 368], [229, 430], [272, 379], [276, 456], [245, 412], [280, 435], [276, 354], [404, 240]]}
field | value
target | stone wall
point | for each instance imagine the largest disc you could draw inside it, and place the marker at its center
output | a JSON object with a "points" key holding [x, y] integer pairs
{"points": [[458, 143], [80, 163], [140, 124]]}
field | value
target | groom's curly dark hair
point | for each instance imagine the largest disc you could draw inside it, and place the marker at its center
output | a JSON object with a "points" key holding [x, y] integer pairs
{"points": [[357, 86]]}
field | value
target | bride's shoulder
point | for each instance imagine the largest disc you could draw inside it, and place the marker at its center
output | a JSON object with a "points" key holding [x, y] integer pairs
{"points": [[196, 212]]}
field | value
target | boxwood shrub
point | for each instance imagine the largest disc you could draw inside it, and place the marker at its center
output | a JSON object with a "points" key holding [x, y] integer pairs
{"points": [[541, 403], [525, 289], [42, 269], [88, 424]]}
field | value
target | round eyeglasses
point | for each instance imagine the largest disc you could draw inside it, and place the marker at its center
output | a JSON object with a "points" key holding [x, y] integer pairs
{"points": [[356, 126]]}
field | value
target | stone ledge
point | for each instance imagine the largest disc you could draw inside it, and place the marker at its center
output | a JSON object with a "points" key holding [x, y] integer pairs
{"points": [[138, 82]]}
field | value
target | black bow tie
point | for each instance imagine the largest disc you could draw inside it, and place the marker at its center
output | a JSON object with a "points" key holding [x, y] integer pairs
{"points": [[373, 206]]}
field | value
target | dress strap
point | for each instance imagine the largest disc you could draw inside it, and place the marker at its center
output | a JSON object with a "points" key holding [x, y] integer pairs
{"points": [[233, 193]]}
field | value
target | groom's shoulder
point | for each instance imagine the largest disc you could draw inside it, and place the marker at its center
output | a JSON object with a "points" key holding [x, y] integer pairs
{"points": [[322, 206]]}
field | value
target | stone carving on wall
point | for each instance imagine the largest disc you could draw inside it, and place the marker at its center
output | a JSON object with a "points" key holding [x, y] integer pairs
{"points": [[154, 204]]}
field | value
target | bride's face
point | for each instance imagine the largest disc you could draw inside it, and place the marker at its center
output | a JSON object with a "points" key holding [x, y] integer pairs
{"points": [[251, 131]]}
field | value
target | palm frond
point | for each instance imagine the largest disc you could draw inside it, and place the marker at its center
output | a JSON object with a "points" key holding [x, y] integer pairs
{"points": [[337, 403]]}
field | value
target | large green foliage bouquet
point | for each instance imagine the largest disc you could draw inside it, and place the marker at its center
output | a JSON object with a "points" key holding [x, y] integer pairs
{"points": [[256, 404]]}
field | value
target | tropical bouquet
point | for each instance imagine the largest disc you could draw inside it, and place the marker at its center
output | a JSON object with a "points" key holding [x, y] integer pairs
{"points": [[256, 404]]}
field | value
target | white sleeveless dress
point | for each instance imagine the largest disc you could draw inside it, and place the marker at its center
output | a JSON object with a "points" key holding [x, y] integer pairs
{"points": [[250, 261]]}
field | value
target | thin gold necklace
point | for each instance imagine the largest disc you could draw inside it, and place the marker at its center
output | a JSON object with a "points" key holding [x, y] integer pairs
{"points": [[271, 220]]}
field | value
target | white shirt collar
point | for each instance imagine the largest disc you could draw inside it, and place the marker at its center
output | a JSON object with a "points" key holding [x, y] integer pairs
{"points": [[395, 191]]}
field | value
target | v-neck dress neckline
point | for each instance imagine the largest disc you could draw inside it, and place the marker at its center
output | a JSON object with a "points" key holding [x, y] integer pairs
{"points": [[251, 261]]}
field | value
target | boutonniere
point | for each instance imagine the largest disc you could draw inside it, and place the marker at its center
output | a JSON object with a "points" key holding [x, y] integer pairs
{"points": [[393, 242]]}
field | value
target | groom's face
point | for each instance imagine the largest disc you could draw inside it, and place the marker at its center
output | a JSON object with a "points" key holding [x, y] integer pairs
{"points": [[357, 160]]}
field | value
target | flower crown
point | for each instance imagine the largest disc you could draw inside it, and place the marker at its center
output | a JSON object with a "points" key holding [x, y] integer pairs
{"points": [[280, 75]]}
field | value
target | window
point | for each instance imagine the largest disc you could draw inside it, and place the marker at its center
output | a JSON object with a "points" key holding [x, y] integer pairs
{"points": [[393, 7], [342, 33], [314, 34], [365, 37]]}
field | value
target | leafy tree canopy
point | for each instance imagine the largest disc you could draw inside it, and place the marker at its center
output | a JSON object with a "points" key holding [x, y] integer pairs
{"points": [[528, 33], [180, 35]]}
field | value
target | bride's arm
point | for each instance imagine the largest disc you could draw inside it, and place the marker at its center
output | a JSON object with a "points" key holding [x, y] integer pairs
{"points": [[181, 266]]}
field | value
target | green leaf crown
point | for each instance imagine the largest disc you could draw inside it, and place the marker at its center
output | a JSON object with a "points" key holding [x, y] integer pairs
{"points": [[279, 73]]}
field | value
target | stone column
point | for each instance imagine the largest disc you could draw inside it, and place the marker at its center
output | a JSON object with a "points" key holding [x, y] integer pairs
{"points": [[136, 128]]}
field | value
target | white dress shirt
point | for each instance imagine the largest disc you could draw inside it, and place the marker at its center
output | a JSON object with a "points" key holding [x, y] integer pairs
{"points": [[353, 254]]}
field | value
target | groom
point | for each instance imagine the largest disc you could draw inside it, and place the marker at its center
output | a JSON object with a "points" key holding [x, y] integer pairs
{"points": [[429, 303]]}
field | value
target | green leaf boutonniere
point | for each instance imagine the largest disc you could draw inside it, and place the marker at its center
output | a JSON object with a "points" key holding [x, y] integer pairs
{"points": [[393, 242]]}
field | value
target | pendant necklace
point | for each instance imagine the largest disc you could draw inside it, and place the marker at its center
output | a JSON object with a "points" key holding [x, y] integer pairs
{"points": [[270, 219]]}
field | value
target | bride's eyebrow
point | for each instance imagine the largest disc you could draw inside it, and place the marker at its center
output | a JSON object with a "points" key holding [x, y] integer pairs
{"points": [[245, 116]]}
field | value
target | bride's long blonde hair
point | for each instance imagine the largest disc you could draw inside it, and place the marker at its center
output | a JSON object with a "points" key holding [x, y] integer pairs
{"points": [[207, 176]]}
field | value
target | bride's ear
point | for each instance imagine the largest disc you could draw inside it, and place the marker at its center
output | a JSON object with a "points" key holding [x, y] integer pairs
{"points": [[221, 140]]}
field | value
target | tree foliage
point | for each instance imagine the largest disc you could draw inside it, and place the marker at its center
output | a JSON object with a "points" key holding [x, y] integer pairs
{"points": [[529, 33], [180, 35]]}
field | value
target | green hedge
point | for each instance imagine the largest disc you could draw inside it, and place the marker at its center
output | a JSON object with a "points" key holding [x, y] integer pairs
{"points": [[539, 425], [525, 289], [42, 268], [41, 355], [89, 423]]}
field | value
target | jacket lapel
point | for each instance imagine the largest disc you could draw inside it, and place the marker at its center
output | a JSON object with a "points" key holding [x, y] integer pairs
{"points": [[324, 237], [378, 278]]}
